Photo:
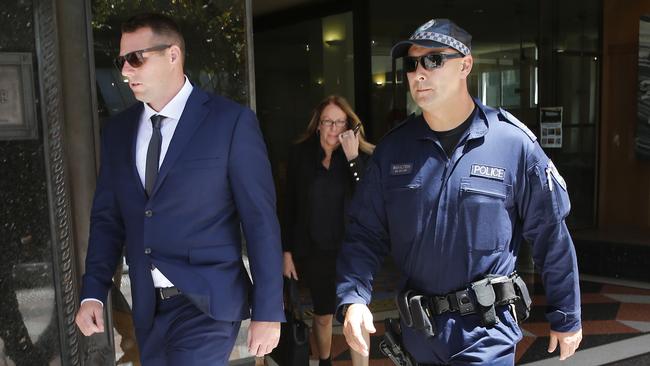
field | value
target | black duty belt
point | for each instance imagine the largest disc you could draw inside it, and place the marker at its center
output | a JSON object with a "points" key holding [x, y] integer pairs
{"points": [[417, 310], [165, 293], [463, 301]]}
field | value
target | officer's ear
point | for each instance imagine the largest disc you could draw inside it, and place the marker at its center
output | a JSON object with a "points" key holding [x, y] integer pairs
{"points": [[466, 65]]}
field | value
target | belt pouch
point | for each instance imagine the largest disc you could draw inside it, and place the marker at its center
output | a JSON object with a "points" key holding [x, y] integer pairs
{"points": [[485, 298], [522, 305], [402, 301], [420, 315]]}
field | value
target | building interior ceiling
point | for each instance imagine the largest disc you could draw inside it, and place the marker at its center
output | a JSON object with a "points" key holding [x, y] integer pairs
{"points": [[265, 7], [575, 14]]}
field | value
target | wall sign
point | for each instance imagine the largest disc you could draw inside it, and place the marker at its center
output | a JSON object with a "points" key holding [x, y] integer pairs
{"points": [[550, 127], [17, 106]]}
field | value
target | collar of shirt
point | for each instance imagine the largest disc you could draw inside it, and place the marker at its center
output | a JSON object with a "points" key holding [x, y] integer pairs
{"points": [[337, 153], [173, 109], [478, 127]]}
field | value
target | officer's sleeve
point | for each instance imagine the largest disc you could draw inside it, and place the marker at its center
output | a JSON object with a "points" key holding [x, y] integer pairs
{"points": [[366, 241], [543, 208]]}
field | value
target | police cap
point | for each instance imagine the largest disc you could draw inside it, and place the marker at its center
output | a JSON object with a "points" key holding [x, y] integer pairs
{"points": [[436, 33]]}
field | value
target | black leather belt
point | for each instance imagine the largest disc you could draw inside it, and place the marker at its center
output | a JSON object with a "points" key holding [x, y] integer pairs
{"points": [[165, 293]]}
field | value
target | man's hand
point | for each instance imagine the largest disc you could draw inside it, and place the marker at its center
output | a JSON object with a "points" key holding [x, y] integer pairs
{"points": [[358, 319], [263, 337], [288, 267], [569, 342], [90, 317]]}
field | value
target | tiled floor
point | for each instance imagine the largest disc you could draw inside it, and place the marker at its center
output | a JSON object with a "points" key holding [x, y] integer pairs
{"points": [[615, 319], [616, 326]]}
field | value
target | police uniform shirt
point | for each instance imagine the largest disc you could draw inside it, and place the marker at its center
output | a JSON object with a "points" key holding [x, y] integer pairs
{"points": [[449, 221]]}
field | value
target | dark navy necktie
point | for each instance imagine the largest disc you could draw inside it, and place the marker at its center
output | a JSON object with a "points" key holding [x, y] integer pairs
{"points": [[153, 154]]}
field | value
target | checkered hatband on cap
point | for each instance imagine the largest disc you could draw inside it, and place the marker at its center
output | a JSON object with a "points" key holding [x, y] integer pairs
{"points": [[442, 38]]}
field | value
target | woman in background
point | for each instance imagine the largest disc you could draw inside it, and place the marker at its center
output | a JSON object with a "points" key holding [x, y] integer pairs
{"points": [[325, 165]]}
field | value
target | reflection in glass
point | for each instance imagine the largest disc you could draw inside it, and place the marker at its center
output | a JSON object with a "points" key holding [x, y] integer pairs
{"points": [[500, 74], [296, 66], [29, 333], [215, 38], [29, 325], [579, 93]]}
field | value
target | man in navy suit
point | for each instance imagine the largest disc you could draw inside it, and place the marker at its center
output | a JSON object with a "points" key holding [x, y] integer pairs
{"points": [[180, 172]]}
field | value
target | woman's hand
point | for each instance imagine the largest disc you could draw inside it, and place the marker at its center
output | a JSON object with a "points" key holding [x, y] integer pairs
{"points": [[288, 268], [350, 143]]}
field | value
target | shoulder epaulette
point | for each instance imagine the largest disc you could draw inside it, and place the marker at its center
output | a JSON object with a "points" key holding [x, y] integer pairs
{"points": [[508, 117], [399, 125]]}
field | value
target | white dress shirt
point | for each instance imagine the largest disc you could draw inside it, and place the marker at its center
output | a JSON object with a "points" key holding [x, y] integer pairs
{"points": [[172, 112]]}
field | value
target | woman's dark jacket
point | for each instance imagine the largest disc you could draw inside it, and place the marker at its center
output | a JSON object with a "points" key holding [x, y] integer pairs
{"points": [[305, 160]]}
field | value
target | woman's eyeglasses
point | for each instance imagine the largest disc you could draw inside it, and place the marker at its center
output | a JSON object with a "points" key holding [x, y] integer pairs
{"points": [[135, 58], [337, 123], [429, 62]]}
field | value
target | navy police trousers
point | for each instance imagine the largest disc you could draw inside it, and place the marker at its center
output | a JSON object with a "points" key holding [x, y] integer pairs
{"points": [[461, 340]]}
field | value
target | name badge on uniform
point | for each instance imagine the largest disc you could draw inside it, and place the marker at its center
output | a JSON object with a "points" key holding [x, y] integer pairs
{"points": [[401, 169], [486, 171]]}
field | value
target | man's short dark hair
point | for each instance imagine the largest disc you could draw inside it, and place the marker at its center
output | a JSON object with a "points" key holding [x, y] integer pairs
{"points": [[160, 25]]}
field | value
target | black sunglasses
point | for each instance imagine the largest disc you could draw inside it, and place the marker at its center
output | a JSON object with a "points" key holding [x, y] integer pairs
{"points": [[135, 58], [429, 62]]}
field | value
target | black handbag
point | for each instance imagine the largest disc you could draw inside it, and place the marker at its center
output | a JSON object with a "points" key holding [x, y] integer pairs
{"points": [[293, 347]]}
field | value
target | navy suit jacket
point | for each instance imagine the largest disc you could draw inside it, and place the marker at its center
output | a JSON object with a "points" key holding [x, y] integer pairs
{"points": [[215, 176]]}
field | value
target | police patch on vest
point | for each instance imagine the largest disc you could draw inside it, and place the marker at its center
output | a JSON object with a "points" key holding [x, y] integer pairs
{"points": [[401, 169], [486, 171]]}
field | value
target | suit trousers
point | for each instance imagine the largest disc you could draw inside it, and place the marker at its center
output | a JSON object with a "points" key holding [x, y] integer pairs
{"points": [[182, 334]]}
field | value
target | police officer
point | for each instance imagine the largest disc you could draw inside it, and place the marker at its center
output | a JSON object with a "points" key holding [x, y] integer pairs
{"points": [[450, 194]]}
